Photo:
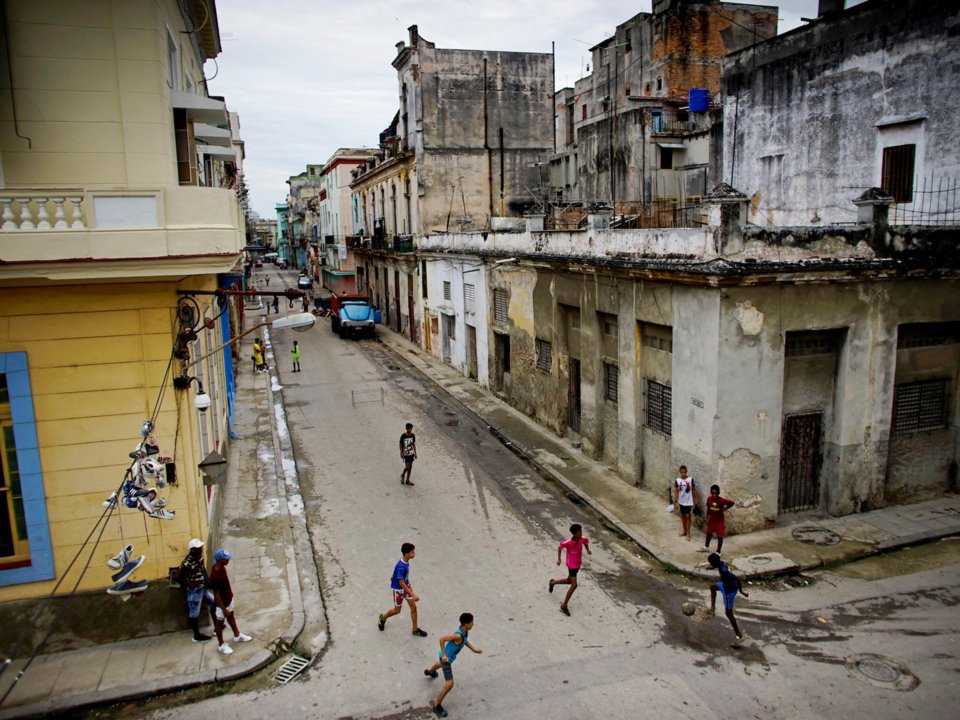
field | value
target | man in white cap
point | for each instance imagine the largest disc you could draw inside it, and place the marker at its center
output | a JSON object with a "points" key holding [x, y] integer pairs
{"points": [[194, 577], [223, 598]]}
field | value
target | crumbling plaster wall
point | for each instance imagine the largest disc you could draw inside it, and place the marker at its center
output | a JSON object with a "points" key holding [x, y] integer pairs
{"points": [[806, 114]]}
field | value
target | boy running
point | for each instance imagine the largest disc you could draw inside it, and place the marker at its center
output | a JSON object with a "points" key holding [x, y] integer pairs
{"points": [[729, 585], [716, 506], [575, 546], [408, 453], [400, 583], [450, 647]]}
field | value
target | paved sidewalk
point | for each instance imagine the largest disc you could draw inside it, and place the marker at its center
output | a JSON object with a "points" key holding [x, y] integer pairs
{"points": [[641, 515], [263, 527]]}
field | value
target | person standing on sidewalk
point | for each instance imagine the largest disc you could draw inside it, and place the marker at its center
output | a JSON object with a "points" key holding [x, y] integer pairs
{"points": [[223, 602], [729, 585], [574, 546], [450, 647], [295, 352], [408, 453], [193, 574], [716, 523], [685, 498], [400, 585], [276, 304], [258, 355]]}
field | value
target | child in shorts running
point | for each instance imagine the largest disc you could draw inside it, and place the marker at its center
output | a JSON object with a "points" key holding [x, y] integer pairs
{"points": [[450, 647], [400, 585], [575, 547]]}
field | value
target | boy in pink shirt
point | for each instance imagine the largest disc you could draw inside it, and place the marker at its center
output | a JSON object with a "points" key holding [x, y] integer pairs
{"points": [[575, 546]]}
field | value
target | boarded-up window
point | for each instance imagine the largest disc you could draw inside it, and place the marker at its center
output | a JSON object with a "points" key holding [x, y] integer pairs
{"points": [[898, 166], [659, 400], [544, 355], [501, 301], [447, 291], [469, 298], [920, 406], [611, 381]]}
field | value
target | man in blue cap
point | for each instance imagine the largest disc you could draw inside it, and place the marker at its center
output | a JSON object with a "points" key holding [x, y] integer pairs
{"points": [[223, 602]]}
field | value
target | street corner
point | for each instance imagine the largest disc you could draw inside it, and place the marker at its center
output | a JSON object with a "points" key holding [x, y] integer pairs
{"points": [[770, 563]]}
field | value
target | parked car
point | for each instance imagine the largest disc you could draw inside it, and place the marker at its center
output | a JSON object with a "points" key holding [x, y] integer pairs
{"points": [[282, 264], [352, 315], [258, 263], [304, 282]]}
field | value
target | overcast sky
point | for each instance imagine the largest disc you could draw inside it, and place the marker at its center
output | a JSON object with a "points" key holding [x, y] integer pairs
{"points": [[310, 76]]}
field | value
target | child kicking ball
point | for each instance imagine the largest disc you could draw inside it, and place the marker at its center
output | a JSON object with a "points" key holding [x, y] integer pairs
{"points": [[729, 585]]}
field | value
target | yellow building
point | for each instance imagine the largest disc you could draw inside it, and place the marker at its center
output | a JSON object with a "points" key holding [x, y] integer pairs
{"points": [[118, 179]]}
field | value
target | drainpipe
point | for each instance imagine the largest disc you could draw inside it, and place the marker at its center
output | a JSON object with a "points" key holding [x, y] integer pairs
{"points": [[501, 172], [486, 142]]}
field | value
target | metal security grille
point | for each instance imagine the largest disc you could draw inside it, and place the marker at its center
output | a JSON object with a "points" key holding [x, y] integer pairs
{"points": [[898, 166], [447, 292], [919, 406], [469, 298], [813, 342], [612, 381], [928, 334], [544, 355], [800, 461], [501, 301], [659, 407]]}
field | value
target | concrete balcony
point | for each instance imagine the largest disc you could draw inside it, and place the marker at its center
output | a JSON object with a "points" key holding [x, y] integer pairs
{"points": [[65, 233]]}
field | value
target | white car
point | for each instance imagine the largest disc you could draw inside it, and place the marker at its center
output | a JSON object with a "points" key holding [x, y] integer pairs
{"points": [[304, 283]]}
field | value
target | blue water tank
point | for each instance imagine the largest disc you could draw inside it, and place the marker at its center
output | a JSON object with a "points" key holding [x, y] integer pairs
{"points": [[699, 100]]}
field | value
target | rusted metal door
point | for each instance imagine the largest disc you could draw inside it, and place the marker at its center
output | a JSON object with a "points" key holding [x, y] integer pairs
{"points": [[800, 460], [573, 395]]}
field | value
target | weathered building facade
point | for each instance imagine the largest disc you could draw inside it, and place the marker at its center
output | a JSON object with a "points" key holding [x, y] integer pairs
{"points": [[461, 152], [858, 99], [812, 370], [638, 126]]}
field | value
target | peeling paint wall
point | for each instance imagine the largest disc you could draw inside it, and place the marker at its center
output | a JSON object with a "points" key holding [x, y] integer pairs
{"points": [[807, 115]]}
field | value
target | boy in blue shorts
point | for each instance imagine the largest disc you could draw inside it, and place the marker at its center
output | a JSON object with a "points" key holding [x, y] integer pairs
{"points": [[729, 585], [450, 647], [400, 584]]}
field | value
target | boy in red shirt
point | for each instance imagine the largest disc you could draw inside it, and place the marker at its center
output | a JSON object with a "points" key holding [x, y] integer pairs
{"points": [[575, 546], [716, 506]]}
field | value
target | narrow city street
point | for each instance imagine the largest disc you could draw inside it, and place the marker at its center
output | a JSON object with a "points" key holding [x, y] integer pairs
{"points": [[486, 531]]}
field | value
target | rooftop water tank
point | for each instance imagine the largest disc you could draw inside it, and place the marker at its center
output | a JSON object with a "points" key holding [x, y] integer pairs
{"points": [[699, 100]]}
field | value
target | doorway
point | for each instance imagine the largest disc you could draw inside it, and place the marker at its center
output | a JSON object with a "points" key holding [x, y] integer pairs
{"points": [[800, 458], [448, 335], [471, 352], [573, 395]]}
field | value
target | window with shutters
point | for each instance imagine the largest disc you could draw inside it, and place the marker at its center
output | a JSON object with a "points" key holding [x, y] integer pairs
{"points": [[501, 301], [659, 401], [920, 406], [447, 291], [544, 355], [611, 381], [658, 337], [469, 298]]}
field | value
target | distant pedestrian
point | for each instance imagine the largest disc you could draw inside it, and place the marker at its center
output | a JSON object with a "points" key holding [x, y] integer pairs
{"points": [[575, 547], [258, 361], [408, 453], [716, 522], [296, 356], [276, 304], [194, 577], [402, 590], [223, 602], [729, 585], [266, 280], [685, 498], [450, 647], [306, 303]]}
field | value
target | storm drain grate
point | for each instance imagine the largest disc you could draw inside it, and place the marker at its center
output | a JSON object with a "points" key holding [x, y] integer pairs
{"points": [[290, 669]]}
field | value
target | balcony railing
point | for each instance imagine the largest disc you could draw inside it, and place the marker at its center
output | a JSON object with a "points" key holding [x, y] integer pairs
{"points": [[48, 210]]}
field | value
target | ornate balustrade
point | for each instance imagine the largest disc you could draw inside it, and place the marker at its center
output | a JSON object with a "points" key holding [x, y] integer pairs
{"points": [[47, 210]]}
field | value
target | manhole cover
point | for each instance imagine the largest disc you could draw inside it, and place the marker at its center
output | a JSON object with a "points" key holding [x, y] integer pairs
{"points": [[813, 535], [881, 672], [760, 560]]}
